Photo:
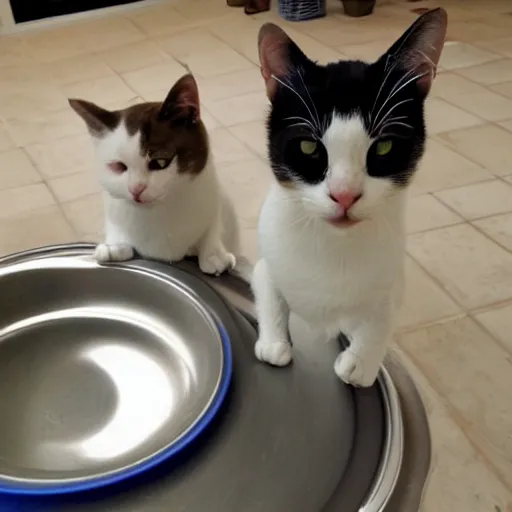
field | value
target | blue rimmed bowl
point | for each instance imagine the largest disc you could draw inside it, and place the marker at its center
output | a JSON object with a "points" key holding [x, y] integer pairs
{"points": [[106, 371]]}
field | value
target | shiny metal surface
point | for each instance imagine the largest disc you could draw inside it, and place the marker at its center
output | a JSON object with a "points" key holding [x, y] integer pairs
{"points": [[101, 368], [287, 439]]}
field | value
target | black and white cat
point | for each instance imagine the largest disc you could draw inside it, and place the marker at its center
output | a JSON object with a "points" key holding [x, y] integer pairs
{"points": [[344, 142]]}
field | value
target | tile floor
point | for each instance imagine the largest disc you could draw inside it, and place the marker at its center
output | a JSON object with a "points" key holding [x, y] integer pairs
{"points": [[456, 323]]}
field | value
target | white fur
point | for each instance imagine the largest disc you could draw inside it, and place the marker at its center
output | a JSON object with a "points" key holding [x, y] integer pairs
{"points": [[339, 279], [181, 214]]}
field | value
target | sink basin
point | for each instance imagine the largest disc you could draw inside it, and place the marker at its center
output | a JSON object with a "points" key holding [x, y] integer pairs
{"points": [[293, 438]]}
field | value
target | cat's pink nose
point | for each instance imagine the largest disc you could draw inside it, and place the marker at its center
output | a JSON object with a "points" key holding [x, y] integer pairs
{"points": [[345, 199], [136, 190]]}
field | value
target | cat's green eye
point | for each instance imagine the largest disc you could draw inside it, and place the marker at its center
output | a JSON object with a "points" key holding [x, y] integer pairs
{"points": [[308, 147], [384, 147], [158, 164]]}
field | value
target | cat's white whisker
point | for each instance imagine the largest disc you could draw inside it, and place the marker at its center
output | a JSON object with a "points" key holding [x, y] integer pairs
{"points": [[385, 117], [395, 91], [290, 88], [309, 96]]}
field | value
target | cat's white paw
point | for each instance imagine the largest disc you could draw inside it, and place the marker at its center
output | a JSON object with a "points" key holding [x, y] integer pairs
{"points": [[354, 370], [276, 353], [105, 253], [216, 263]]}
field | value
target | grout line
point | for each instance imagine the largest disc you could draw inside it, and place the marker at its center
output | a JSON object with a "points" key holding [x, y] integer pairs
{"points": [[464, 424]]}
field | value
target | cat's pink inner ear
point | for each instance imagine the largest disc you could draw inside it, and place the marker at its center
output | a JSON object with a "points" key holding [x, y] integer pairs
{"points": [[188, 95], [423, 56], [182, 100], [273, 45]]}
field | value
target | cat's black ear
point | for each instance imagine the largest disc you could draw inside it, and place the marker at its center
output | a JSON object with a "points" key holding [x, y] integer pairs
{"points": [[278, 55], [182, 102], [97, 119], [418, 51]]}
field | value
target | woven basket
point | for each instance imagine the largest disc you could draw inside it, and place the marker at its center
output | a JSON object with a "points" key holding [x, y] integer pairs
{"points": [[301, 10]]}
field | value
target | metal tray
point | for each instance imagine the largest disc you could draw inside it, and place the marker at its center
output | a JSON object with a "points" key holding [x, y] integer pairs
{"points": [[289, 439], [105, 372]]}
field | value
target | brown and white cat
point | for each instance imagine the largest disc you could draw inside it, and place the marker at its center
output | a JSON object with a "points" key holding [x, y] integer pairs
{"points": [[163, 199]]}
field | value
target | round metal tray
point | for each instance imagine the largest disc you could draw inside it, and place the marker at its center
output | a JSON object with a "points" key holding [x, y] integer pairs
{"points": [[288, 439], [105, 372]]}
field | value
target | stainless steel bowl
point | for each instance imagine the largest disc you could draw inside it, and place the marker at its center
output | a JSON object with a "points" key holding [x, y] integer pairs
{"points": [[104, 371], [289, 439]]}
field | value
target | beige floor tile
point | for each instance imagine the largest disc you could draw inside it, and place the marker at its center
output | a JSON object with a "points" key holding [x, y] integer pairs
{"points": [[21, 200], [217, 62], [203, 10], [501, 46], [487, 105], [499, 228], [247, 183], [315, 50], [108, 32], [154, 78], [190, 42], [38, 101], [490, 73], [86, 216], [57, 44], [504, 89], [231, 84], [479, 200], [474, 31], [368, 52], [472, 371], [476, 142], [240, 109], [459, 480], [132, 57], [331, 32], [240, 34], [473, 269], [442, 168], [101, 90], [424, 300], [462, 55], [5, 139], [425, 212], [507, 125], [65, 156], [16, 169], [74, 186], [227, 148], [253, 135], [498, 321], [249, 243], [30, 130], [41, 226], [158, 20], [13, 51], [450, 85], [77, 69], [442, 116]]}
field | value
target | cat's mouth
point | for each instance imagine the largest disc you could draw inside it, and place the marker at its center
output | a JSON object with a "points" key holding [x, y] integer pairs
{"points": [[343, 221]]}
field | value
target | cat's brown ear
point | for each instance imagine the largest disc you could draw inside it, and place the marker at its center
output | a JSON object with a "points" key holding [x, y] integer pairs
{"points": [[419, 49], [182, 102], [275, 50], [97, 119]]}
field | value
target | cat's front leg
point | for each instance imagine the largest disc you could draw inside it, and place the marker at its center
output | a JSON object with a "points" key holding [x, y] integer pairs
{"points": [[359, 363], [113, 252], [273, 345], [213, 256]]}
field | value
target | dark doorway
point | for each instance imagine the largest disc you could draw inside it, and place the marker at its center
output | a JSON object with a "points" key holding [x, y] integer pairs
{"points": [[29, 10]]}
